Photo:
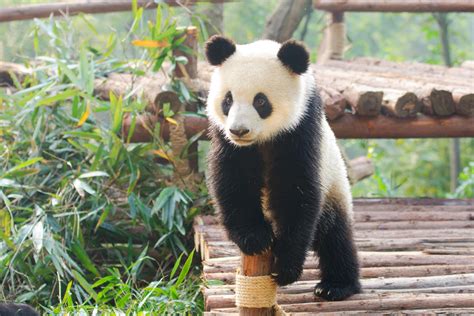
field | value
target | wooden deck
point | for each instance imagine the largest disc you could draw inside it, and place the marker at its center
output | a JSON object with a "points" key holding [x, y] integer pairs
{"points": [[417, 257]]}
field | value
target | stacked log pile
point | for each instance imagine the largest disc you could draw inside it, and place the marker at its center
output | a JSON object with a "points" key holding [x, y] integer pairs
{"points": [[417, 255], [363, 98]]}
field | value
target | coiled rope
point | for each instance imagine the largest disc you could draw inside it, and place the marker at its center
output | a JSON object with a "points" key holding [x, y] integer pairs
{"points": [[256, 292]]}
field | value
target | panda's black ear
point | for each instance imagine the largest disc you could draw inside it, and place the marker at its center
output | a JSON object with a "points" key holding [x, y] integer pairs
{"points": [[218, 49], [294, 56]]}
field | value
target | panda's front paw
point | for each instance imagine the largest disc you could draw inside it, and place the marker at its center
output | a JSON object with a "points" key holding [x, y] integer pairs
{"points": [[286, 272], [252, 241], [336, 292]]}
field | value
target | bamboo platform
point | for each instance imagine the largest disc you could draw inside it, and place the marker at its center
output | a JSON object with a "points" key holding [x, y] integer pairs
{"points": [[416, 255]]}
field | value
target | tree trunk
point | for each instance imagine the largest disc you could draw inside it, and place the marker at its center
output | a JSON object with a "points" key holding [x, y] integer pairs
{"points": [[285, 19], [213, 15]]}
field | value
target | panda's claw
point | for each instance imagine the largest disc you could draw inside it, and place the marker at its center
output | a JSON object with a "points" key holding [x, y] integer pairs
{"points": [[335, 291]]}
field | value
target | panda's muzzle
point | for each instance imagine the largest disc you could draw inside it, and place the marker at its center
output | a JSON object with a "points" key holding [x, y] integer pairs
{"points": [[239, 131]]}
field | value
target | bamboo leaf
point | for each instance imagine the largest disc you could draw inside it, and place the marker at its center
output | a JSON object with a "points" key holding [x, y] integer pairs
{"points": [[185, 270], [85, 115], [23, 165], [85, 285], [83, 257]]}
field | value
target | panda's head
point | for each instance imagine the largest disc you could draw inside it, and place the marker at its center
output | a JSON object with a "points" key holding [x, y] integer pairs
{"points": [[257, 90]]}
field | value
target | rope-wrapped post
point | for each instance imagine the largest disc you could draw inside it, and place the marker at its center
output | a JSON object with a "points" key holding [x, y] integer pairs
{"points": [[255, 289]]}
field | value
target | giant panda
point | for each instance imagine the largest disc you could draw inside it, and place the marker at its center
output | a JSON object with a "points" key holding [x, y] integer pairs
{"points": [[274, 169]]}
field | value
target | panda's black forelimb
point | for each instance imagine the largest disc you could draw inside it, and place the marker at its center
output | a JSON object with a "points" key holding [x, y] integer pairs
{"points": [[337, 253], [235, 182], [292, 175]]}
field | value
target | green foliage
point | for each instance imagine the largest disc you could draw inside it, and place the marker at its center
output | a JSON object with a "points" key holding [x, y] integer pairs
{"points": [[120, 292], [70, 186], [410, 167]]}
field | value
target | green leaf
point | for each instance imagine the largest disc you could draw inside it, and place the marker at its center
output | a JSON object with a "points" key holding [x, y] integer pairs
{"points": [[176, 266], [85, 285], [66, 94], [82, 187], [103, 217], [185, 270], [83, 257], [22, 165]]}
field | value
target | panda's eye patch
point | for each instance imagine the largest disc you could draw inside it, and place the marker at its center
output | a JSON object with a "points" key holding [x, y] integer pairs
{"points": [[227, 103], [262, 105]]}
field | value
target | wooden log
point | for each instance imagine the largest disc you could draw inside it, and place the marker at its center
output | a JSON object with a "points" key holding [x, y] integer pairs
{"points": [[437, 91], [349, 126], [29, 12], [385, 127], [424, 312], [408, 70], [360, 168], [307, 287], [367, 259], [370, 272], [334, 103], [383, 244], [400, 103], [370, 302], [218, 234], [464, 103], [395, 6], [411, 312], [219, 251], [257, 265], [415, 202], [389, 302], [441, 103], [402, 225], [363, 100], [468, 64]]}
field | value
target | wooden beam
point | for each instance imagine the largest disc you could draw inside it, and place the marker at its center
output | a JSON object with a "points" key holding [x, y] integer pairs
{"points": [[395, 5], [28, 12], [347, 127]]}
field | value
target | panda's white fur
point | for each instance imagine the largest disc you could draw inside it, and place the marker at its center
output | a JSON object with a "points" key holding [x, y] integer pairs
{"points": [[255, 68]]}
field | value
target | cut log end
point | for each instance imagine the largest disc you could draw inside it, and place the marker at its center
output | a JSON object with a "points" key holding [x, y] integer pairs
{"points": [[465, 106], [369, 103], [442, 102]]}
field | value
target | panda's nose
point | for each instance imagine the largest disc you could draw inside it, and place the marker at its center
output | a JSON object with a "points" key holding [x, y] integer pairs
{"points": [[239, 132]]}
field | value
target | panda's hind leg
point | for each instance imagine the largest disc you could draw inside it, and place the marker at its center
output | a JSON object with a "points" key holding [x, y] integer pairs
{"points": [[337, 253]]}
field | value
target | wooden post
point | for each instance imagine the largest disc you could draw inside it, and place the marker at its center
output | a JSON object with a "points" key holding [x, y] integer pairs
{"points": [[257, 266], [332, 44], [190, 69]]}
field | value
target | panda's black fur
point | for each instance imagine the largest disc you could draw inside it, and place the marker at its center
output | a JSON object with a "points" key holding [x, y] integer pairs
{"points": [[288, 166], [12, 309]]}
